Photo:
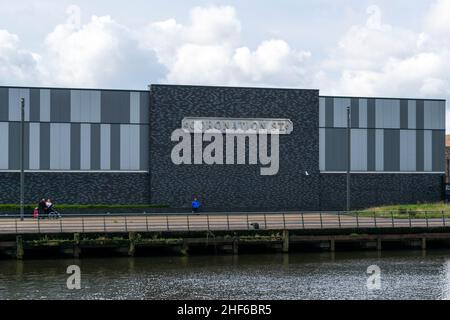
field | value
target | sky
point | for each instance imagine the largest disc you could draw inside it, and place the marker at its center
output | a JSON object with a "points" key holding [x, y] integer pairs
{"points": [[342, 47]]}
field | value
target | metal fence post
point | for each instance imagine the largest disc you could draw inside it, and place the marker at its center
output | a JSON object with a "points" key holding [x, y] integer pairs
{"points": [[16, 224], [284, 222], [187, 218], [228, 221], [39, 225], [426, 217], [357, 219], [409, 217], [146, 221], [248, 225], [167, 222], [339, 219], [126, 224], [392, 218], [207, 220], [375, 219], [60, 225], [303, 221], [82, 223], [321, 223], [443, 218], [265, 221]]}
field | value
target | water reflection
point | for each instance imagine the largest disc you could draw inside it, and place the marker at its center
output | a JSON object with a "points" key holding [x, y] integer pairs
{"points": [[340, 275]]}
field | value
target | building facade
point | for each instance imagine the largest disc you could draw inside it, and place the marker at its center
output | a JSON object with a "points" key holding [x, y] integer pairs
{"points": [[116, 146]]}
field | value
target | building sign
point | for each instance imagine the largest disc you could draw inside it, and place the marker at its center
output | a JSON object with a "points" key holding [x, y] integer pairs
{"points": [[238, 125]]}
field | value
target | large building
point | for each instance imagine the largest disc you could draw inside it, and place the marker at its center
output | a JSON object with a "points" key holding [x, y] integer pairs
{"points": [[117, 146]]}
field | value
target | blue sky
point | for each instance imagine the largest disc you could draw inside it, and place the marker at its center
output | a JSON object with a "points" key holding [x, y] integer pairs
{"points": [[370, 48]]}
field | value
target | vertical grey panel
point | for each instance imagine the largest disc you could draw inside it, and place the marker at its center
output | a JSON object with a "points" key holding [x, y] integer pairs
{"points": [[391, 150], [354, 112], [441, 115], [44, 145], [60, 105], [65, 145], [115, 106], [13, 102], [135, 107], [145, 107], [438, 157], [105, 147], [407, 150], [13, 146], [336, 149], [427, 150], [35, 148], [379, 149], [75, 105], [412, 114], [359, 149], [85, 146], [55, 160], [329, 112], [144, 146], [4, 145], [4, 104], [419, 150], [60, 146], [321, 149], [95, 146], [419, 114], [371, 148], [85, 106], [387, 113], [125, 147], [403, 113], [45, 105], [25, 93], [363, 113], [35, 105], [371, 113], [134, 147], [340, 112], [75, 146], [321, 112], [95, 106], [115, 147], [26, 140]]}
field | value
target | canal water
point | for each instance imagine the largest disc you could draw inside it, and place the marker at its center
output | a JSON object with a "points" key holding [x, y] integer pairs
{"points": [[342, 275]]}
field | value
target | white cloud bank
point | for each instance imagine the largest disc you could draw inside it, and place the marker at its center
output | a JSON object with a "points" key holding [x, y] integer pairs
{"points": [[374, 58]]}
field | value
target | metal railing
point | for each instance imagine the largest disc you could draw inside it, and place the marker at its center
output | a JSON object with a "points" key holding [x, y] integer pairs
{"points": [[117, 223]]}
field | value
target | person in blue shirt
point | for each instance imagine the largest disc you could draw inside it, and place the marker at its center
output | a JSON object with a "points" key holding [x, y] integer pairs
{"points": [[195, 205]]}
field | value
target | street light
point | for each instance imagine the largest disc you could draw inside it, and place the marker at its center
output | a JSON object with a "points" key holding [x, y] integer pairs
{"points": [[22, 156], [348, 157]]}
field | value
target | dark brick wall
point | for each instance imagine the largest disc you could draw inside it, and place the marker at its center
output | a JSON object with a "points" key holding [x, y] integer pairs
{"points": [[80, 188], [236, 187], [368, 190]]}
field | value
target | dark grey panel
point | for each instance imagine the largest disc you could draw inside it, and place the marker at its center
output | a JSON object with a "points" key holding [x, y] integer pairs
{"points": [[75, 146], [144, 146], [336, 149], [59, 105], [419, 150], [438, 150], [404, 114], [371, 147], [115, 107], [371, 116], [144, 107], [329, 112], [95, 146], [35, 105], [4, 104], [354, 112], [419, 114], [44, 156], [14, 146], [391, 150], [115, 147]]}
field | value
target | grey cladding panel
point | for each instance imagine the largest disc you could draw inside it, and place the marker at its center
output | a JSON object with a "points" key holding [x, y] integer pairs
{"points": [[59, 105], [35, 105], [4, 104], [354, 112], [403, 114], [391, 150], [13, 148], [336, 149], [329, 112], [45, 146], [371, 113], [115, 107], [438, 156], [145, 107]]}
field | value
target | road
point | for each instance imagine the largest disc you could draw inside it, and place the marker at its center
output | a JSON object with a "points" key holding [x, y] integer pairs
{"points": [[205, 222]]}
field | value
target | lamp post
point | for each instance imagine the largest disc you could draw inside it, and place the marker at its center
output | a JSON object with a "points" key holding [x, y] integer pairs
{"points": [[348, 157], [22, 156]]}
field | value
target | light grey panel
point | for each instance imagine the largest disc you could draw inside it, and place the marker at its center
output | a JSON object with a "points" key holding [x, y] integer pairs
{"points": [[60, 146], [434, 115], [85, 106], [387, 113], [75, 105], [13, 102], [85, 146], [4, 104], [321, 112], [44, 159], [105, 147], [442, 115], [135, 107], [97, 137], [379, 150], [35, 139], [75, 146], [407, 150], [427, 150], [35, 105], [438, 150], [359, 149], [336, 149], [4, 145], [340, 112], [14, 142], [134, 147], [363, 113], [26, 142], [411, 114], [144, 145], [45, 105], [115, 146], [145, 107], [95, 106], [125, 139], [329, 112], [321, 149]]}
